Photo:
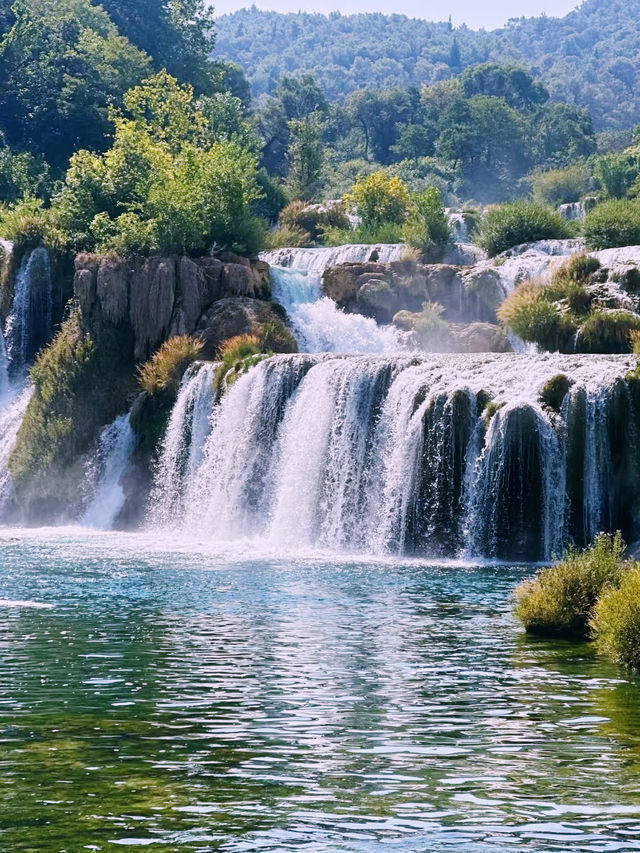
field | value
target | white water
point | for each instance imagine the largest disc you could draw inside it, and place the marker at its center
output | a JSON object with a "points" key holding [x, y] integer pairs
{"points": [[391, 455], [117, 443], [30, 323], [13, 405], [182, 447], [318, 324]]}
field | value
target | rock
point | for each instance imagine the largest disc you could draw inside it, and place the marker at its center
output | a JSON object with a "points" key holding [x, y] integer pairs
{"points": [[112, 289], [261, 273], [243, 316], [340, 284], [479, 337], [84, 289], [377, 299], [193, 297], [486, 291], [237, 280], [231, 258], [212, 269], [153, 291], [406, 320], [411, 291]]}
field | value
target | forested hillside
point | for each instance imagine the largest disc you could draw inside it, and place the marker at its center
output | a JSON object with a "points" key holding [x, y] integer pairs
{"points": [[590, 57]]}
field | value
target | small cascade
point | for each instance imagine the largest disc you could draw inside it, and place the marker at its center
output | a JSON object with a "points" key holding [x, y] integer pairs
{"points": [[319, 325], [400, 455], [458, 226], [575, 211], [182, 448], [13, 405], [30, 324], [117, 443]]}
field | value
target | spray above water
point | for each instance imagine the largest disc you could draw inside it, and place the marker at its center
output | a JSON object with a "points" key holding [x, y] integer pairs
{"points": [[117, 443]]}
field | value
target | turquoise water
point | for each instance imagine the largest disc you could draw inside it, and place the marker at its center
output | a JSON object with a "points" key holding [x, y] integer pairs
{"points": [[188, 700]]}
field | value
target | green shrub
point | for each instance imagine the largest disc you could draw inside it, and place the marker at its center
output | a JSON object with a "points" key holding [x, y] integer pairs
{"points": [[125, 236], [613, 223], [428, 225], [535, 317], [379, 198], [492, 408], [608, 331], [554, 391], [236, 355], [561, 186], [314, 218], [27, 224], [517, 222], [615, 621], [285, 238], [560, 601], [386, 232], [431, 331], [165, 369]]}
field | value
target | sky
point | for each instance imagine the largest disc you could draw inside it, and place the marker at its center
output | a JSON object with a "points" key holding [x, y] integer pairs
{"points": [[475, 13]]}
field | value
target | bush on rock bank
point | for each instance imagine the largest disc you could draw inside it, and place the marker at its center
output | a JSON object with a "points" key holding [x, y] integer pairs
{"points": [[507, 225], [615, 622], [560, 601]]}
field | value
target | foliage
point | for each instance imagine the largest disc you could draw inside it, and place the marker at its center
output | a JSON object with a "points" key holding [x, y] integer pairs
{"points": [[379, 199], [314, 219], [385, 232], [165, 369], [561, 186], [285, 237], [554, 391], [514, 223], [616, 173], [233, 355], [21, 174], [27, 224], [613, 223], [560, 601], [586, 57], [165, 184], [62, 64], [615, 620], [431, 331], [534, 317], [428, 225], [305, 157], [608, 331]]}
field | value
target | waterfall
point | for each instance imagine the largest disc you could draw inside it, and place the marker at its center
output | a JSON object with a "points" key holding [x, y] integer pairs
{"points": [[182, 447], [116, 444], [13, 405], [398, 455], [319, 325], [458, 226], [30, 323]]}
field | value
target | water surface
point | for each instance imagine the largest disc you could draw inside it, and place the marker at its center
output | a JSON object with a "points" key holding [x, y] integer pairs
{"points": [[188, 700]]}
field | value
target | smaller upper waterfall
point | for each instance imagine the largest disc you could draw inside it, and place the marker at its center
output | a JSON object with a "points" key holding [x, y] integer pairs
{"points": [[30, 323], [117, 443], [183, 444], [319, 325]]}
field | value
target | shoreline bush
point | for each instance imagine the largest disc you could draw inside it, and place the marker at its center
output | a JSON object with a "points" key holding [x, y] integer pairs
{"points": [[165, 369], [561, 599], [615, 623], [514, 223], [613, 223]]}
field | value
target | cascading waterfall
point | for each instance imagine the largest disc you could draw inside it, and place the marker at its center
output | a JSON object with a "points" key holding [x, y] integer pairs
{"points": [[117, 443], [30, 323], [401, 456], [319, 325], [13, 405], [182, 448]]}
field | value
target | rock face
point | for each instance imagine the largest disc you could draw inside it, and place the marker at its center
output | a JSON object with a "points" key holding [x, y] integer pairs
{"points": [[240, 315], [159, 297], [382, 291]]}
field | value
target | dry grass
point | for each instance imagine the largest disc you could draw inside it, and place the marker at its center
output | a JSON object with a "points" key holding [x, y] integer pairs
{"points": [[165, 369]]}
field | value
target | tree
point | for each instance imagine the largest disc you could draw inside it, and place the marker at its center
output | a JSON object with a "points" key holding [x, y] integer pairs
{"points": [[62, 65], [306, 157], [379, 199]]}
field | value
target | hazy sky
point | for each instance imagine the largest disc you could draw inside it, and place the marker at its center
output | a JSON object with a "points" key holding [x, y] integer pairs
{"points": [[474, 13]]}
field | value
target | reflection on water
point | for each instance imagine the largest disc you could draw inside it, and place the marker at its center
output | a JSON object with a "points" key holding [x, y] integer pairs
{"points": [[203, 702]]}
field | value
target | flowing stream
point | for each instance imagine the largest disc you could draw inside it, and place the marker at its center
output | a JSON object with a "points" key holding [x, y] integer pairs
{"points": [[117, 443]]}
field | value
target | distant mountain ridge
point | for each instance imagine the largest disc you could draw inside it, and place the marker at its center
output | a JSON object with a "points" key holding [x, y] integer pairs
{"points": [[590, 57]]}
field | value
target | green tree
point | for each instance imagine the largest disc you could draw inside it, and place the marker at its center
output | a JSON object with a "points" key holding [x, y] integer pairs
{"points": [[379, 199], [62, 65], [306, 157]]}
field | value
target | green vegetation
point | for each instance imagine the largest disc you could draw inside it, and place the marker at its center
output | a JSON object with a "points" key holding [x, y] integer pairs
{"points": [[431, 331], [560, 601], [165, 369], [509, 225], [562, 315], [615, 620], [236, 356], [427, 228], [379, 199], [586, 57], [554, 391], [561, 186], [613, 223]]}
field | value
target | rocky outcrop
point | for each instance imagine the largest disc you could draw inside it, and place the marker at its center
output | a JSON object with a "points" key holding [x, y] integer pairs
{"points": [[242, 316], [457, 337], [382, 291], [159, 297]]}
